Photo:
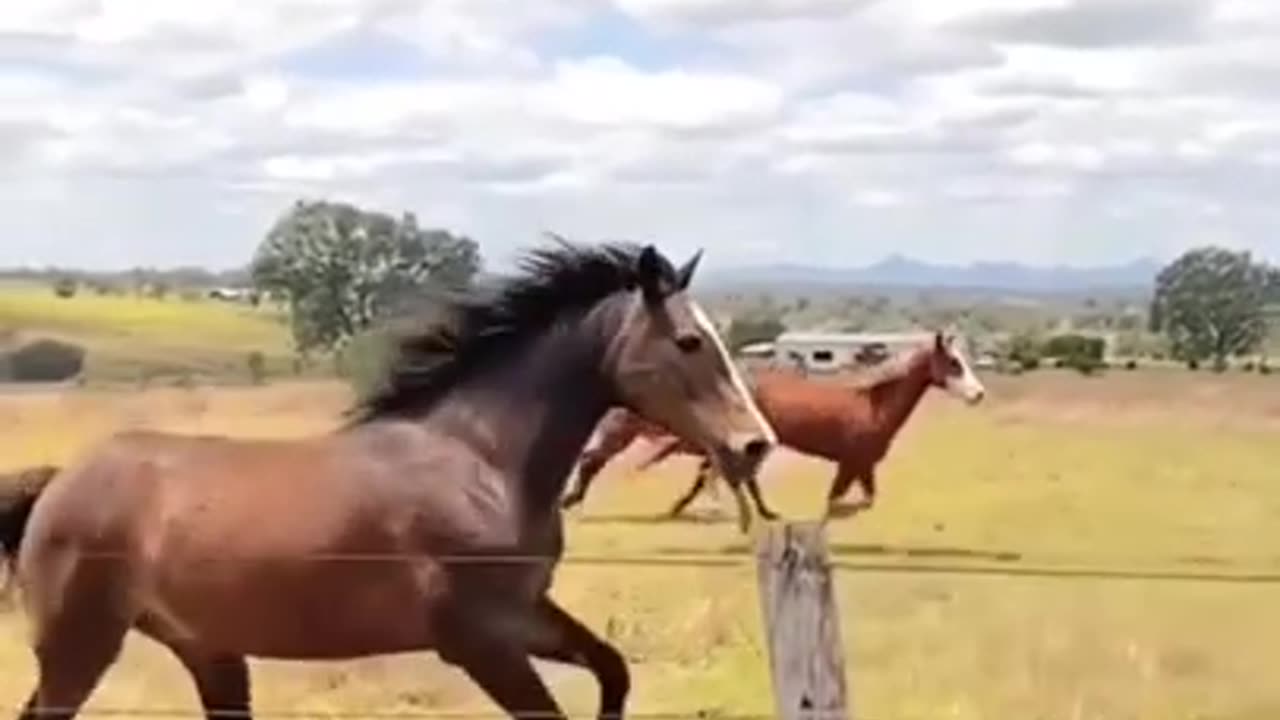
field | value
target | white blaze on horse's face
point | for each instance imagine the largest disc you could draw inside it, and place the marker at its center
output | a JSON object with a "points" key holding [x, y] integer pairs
{"points": [[960, 380], [672, 368], [740, 387]]}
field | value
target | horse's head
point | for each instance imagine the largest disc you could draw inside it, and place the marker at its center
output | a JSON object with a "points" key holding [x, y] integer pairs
{"points": [[949, 369], [671, 367]]}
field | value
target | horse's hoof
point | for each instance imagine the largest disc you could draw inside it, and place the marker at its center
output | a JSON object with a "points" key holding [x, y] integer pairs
{"points": [[841, 511], [768, 514]]}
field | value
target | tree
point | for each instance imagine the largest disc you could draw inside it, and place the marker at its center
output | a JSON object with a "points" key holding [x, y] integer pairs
{"points": [[65, 287], [1023, 351], [1209, 303], [339, 268], [747, 329]]}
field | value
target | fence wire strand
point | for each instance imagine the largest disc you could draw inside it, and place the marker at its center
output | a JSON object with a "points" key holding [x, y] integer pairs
{"points": [[1052, 567], [116, 712]]}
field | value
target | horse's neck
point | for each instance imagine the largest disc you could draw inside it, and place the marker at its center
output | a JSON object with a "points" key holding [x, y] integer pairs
{"points": [[896, 398], [532, 416]]}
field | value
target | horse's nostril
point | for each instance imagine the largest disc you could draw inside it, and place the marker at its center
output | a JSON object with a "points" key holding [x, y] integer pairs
{"points": [[756, 448]]}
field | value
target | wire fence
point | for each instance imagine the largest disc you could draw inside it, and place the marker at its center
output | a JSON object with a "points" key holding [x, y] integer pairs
{"points": [[995, 564], [1049, 566], [113, 712]]}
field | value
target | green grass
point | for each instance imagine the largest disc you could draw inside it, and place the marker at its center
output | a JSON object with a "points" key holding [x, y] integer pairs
{"points": [[1142, 472], [129, 337]]}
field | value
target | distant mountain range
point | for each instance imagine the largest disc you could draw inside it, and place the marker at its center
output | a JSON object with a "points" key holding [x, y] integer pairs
{"points": [[897, 271]]}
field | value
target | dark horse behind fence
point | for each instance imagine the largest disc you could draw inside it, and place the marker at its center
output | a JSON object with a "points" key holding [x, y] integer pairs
{"points": [[430, 522], [852, 423]]}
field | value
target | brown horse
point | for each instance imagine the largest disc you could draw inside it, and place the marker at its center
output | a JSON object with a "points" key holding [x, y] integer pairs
{"points": [[429, 522], [616, 432], [852, 424]]}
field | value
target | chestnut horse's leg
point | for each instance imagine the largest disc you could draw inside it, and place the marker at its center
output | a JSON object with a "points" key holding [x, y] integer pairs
{"points": [[615, 436], [845, 475], [591, 463], [753, 487], [699, 482], [563, 639], [868, 482]]}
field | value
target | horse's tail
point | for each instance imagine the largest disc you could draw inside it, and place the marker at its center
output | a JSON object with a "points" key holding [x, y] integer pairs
{"points": [[18, 494]]}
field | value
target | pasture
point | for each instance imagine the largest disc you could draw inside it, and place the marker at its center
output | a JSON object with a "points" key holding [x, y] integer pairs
{"points": [[131, 338], [1131, 478]]}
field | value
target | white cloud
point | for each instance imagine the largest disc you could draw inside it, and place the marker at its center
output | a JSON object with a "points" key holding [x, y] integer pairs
{"points": [[731, 12], [608, 92], [1085, 129]]}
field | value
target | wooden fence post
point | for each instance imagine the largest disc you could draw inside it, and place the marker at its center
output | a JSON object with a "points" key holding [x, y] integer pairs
{"points": [[802, 623]]}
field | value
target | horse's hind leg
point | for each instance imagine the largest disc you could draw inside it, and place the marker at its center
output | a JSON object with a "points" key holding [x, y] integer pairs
{"points": [[72, 656]]}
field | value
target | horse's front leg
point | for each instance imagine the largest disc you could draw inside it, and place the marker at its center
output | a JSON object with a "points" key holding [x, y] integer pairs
{"points": [[484, 647], [699, 483], [560, 637], [753, 487], [867, 481]]}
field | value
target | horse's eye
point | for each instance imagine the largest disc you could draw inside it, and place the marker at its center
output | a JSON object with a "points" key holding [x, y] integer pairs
{"points": [[689, 343]]}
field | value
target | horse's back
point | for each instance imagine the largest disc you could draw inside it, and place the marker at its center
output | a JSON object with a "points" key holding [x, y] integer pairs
{"points": [[241, 544], [814, 416]]}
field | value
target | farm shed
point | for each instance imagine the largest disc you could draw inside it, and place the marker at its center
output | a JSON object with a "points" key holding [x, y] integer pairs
{"points": [[829, 351]]}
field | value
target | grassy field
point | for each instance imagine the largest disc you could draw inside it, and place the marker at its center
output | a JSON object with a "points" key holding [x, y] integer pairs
{"points": [[130, 337], [1129, 473]]}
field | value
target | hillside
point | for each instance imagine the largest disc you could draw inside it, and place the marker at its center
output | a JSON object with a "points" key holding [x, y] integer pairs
{"points": [[898, 272]]}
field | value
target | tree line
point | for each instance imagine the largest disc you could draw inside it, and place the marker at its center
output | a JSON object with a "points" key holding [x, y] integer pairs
{"points": [[1209, 305], [339, 270]]}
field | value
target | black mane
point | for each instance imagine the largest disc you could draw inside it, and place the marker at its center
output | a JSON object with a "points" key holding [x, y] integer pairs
{"points": [[476, 326]]}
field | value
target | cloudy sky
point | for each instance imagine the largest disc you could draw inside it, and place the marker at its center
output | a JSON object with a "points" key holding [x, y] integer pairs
{"points": [[824, 131]]}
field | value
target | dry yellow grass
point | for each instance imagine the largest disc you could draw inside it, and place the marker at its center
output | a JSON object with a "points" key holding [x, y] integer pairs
{"points": [[1150, 471]]}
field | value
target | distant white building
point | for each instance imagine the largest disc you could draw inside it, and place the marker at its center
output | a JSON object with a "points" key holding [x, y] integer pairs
{"points": [[234, 294], [833, 351]]}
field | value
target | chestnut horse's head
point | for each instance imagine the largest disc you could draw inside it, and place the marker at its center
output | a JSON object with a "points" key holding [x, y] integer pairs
{"points": [[949, 369]]}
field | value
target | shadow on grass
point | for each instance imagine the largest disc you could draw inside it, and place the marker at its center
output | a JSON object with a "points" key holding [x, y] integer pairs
{"points": [[651, 519]]}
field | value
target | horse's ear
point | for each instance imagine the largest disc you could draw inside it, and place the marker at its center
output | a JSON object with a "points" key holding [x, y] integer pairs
{"points": [[685, 273], [939, 341], [649, 273]]}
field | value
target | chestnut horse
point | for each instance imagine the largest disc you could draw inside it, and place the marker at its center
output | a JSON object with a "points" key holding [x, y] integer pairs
{"points": [[429, 522], [851, 423]]}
